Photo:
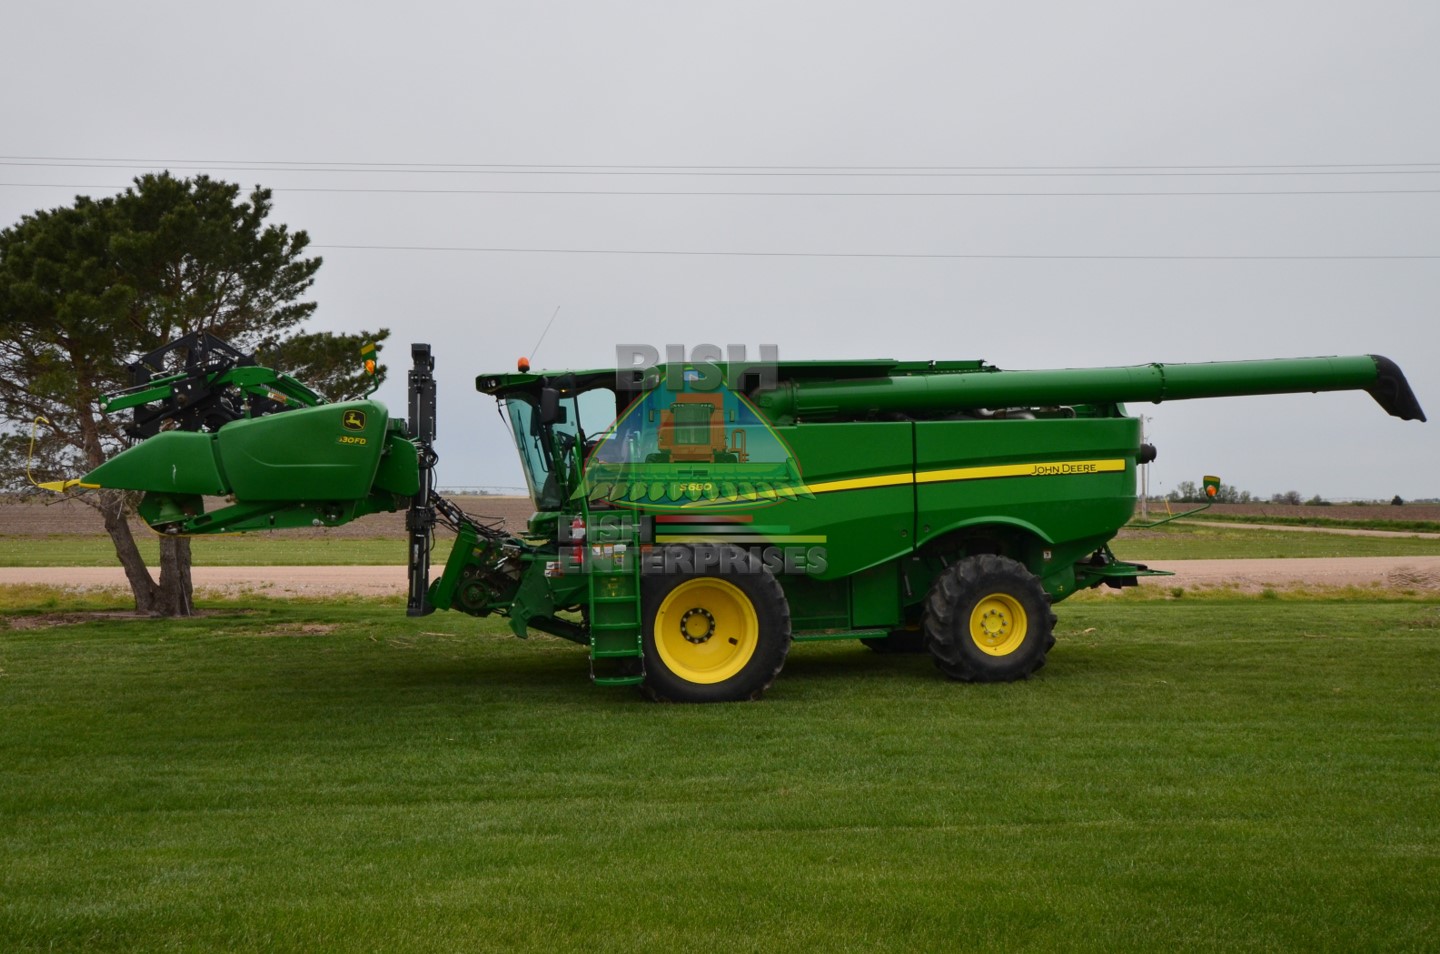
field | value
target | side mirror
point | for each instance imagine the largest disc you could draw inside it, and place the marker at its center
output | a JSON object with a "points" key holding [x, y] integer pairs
{"points": [[550, 410]]}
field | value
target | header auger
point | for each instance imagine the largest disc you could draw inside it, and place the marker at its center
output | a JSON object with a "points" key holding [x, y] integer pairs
{"points": [[692, 523]]}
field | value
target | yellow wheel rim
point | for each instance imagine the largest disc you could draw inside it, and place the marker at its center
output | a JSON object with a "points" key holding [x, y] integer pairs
{"points": [[706, 630], [998, 624]]}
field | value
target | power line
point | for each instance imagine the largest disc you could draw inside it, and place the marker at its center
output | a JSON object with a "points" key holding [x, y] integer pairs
{"points": [[737, 172], [649, 192], [885, 255], [639, 166]]}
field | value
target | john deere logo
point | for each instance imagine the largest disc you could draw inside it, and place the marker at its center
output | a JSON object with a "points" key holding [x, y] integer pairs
{"points": [[354, 420]]}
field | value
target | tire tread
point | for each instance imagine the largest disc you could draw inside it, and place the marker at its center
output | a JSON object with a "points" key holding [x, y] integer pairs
{"points": [[656, 687], [946, 627]]}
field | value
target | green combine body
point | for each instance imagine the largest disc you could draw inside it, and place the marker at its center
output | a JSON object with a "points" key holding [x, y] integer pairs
{"points": [[693, 523]]}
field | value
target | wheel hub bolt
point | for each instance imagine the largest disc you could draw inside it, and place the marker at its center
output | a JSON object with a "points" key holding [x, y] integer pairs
{"points": [[702, 616]]}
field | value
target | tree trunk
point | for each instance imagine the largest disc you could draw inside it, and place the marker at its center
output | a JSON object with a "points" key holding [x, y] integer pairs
{"points": [[114, 510], [175, 596]]}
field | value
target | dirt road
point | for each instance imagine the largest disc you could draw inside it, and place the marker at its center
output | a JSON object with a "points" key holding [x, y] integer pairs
{"points": [[66, 517], [1414, 572]]}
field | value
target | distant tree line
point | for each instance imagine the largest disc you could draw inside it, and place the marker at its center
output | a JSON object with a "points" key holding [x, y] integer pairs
{"points": [[1187, 491]]}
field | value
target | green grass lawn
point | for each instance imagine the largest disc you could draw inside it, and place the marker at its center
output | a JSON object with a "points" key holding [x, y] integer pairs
{"points": [[1372, 523], [301, 548], [1199, 774], [1181, 541]]}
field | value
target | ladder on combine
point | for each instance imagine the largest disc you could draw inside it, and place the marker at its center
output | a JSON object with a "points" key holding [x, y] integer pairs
{"points": [[612, 572]]}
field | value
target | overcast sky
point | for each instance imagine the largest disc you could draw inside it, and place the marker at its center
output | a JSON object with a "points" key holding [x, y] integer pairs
{"points": [[1325, 112]]}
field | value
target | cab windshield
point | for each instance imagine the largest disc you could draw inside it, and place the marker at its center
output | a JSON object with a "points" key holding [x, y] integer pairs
{"points": [[547, 451]]}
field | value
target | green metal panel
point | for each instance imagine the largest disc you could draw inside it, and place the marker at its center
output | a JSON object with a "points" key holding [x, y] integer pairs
{"points": [[399, 470], [875, 596], [860, 502], [176, 462], [534, 599], [1045, 492], [817, 605], [330, 452], [186, 513], [1070, 479]]}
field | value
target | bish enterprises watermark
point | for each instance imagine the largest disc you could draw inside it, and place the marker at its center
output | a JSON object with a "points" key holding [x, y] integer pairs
{"points": [[696, 369], [723, 559], [616, 542], [624, 539]]}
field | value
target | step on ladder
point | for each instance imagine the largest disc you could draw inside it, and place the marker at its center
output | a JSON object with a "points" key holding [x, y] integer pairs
{"points": [[612, 573]]}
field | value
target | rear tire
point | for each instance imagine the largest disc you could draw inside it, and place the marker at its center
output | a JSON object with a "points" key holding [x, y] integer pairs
{"points": [[987, 619], [713, 633]]}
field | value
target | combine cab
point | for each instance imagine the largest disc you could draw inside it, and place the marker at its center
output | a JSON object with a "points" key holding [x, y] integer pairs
{"points": [[687, 535]]}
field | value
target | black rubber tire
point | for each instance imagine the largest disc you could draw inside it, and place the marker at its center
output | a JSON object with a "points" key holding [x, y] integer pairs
{"points": [[955, 595], [899, 642], [745, 571]]}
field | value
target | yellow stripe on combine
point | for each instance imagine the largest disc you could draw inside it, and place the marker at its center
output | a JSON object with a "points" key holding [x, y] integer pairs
{"points": [[861, 483], [1059, 468]]}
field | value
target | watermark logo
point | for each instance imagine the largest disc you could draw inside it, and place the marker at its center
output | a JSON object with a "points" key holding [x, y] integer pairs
{"points": [[699, 369], [671, 543], [688, 467], [693, 439]]}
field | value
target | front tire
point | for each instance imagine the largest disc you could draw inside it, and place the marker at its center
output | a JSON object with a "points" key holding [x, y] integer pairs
{"points": [[987, 619], [717, 627]]}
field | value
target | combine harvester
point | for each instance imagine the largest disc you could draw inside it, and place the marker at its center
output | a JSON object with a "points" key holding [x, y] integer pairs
{"points": [[693, 521]]}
